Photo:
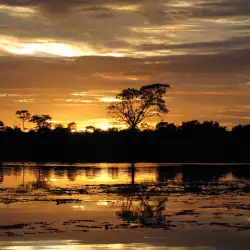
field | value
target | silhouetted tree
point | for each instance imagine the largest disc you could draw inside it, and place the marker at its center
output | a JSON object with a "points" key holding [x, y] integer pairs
{"points": [[60, 130], [145, 126], [211, 124], [23, 115], [241, 130], [134, 106], [161, 125], [7, 129], [58, 126], [41, 121], [90, 129], [205, 129], [113, 129], [190, 125], [72, 126], [1, 126], [17, 129], [166, 126]]}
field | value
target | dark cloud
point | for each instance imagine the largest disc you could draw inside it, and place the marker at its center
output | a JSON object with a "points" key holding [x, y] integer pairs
{"points": [[233, 61], [153, 9], [223, 8], [63, 6], [233, 43], [182, 43], [44, 73]]}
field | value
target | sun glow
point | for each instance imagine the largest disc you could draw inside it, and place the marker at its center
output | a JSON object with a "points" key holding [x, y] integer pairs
{"points": [[108, 99], [99, 125], [18, 11], [104, 126], [55, 49], [50, 48], [43, 47]]}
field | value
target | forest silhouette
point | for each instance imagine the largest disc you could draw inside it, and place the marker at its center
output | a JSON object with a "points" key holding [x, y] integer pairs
{"points": [[192, 141]]}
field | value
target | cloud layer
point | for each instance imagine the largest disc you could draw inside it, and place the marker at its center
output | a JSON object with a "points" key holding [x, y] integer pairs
{"points": [[52, 49]]}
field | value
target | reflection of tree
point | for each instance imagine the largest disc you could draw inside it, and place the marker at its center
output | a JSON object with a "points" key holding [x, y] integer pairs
{"points": [[165, 174], [23, 170], [60, 172], [1, 174], [141, 209], [138, 207], [241, 172], [17, 171], [92, 172], [71, 173], [196, 174], [41, 182], [46, 172], [132, 173], [113, 172]]}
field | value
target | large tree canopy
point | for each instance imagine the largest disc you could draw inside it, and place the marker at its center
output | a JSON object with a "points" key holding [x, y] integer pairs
{"points": [[134, 106], [41, 121]]}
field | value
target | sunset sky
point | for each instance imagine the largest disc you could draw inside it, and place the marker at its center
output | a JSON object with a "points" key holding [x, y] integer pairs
{"points": [[69, 58]]}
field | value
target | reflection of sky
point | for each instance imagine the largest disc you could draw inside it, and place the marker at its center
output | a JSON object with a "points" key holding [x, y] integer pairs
{"points": [[78, 176], [228, 177], [104, 173], [74, 245]]}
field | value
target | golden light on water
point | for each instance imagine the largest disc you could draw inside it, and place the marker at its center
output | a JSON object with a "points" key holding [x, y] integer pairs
{"points": [[76, 245], [100, 174]]}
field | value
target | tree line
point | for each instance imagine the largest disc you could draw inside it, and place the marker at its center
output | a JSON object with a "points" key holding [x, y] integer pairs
{"points": [[132, 107], [44, 125], [192, 141], [42, 122]]}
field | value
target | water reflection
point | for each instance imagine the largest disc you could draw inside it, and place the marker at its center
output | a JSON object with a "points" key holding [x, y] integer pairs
{"points": [[143, 211], [76, 245], [150, 200], [113, 172], [1, 175], [39, 176]]}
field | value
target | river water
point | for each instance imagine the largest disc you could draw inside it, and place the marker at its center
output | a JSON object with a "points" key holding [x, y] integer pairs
{"points": [[124, 206]]}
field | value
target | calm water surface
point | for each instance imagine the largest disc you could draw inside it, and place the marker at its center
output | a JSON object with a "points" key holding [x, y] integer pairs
{"points": [[14, 175], [120, 206]]}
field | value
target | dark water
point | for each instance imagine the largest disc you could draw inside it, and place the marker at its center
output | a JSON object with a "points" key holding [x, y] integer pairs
{"points": [[124, 206]]}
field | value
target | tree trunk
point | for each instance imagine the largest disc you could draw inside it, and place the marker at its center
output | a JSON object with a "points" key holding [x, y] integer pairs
{"points": [[132, 173]]}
